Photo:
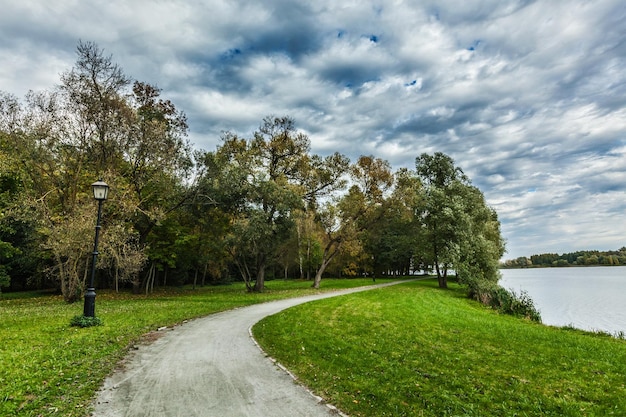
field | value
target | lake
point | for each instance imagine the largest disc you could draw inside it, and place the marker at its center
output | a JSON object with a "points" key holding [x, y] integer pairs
{"points": [[592, 298]]}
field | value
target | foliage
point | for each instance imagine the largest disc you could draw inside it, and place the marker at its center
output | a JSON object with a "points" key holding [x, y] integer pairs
{"points": [[409, 350], [461, 231], [85, 321], [254, 208], [93, 126], [262, 184], [520, 305], [503, 300]]}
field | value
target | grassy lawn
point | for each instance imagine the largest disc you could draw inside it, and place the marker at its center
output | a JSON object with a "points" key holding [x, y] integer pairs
{"points": [[48, 368], [414, 350]]}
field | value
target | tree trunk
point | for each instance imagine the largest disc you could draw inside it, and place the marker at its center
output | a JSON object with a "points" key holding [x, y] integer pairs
{"points": [[259, 285], [150, 279], [117, 279], [300, 260], [136, 286], [442, 278], [318, 275], [308, 259], [325, 262], [261, 265]]}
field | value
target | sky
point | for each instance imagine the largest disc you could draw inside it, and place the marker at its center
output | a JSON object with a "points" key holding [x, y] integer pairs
{"points": [[528, 97]]}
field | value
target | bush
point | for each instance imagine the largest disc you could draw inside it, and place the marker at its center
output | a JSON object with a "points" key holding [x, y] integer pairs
{"points": [[503, 300], [85, 321]]}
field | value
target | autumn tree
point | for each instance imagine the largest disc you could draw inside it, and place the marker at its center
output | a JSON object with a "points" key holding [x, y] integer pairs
{"points": [[308, 240], [93, 125], [338, 228], [265, 184], [344, 220], [256, 182], [96, 91], [157, 158]]}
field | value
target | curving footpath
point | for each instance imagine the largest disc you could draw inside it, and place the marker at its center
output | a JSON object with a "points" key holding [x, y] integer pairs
{"points": [[212, 367]]}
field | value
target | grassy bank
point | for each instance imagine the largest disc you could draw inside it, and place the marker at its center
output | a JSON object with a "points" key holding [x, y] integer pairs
{"points": [[48, 368], [414, 350]]}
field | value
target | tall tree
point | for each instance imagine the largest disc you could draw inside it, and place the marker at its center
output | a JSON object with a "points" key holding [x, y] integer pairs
{"points": [[395, 232], [344, 220], [93, 126], [339, 228], [462, 231], [266, 183], [157, 158], [258, 180], [96, 92]]}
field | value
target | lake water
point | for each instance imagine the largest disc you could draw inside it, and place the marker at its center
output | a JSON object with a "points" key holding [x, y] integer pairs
{"points": [[592, 298]]}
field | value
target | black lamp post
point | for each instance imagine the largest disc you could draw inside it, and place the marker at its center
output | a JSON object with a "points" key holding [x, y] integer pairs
{"points": [[100, 193]]}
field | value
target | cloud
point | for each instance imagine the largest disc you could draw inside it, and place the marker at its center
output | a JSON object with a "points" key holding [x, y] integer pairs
{"points": [[528, 97]]}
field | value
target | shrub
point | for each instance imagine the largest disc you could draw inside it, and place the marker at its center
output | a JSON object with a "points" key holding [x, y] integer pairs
{"points": [[85, 321], [503, 300]]}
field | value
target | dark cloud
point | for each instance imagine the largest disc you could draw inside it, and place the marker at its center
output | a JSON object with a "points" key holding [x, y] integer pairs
{"points": [[528, 97]]}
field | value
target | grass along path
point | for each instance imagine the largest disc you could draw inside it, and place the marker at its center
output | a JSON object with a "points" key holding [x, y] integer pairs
{"points": [[414, 350], [48, 368]]}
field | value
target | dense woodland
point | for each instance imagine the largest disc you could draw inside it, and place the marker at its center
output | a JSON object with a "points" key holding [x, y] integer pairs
{"points": [[255, 208], [579, 258]]}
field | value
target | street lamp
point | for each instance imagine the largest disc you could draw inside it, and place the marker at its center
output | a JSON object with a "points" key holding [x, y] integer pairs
{"points": [[100, 192]]}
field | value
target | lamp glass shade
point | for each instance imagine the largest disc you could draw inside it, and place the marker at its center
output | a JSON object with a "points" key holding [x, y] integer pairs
{"points": [[100, 190]]}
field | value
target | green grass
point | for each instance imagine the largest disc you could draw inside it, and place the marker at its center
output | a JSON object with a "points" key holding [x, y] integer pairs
{"points": [[48, 368], [414, 350]]}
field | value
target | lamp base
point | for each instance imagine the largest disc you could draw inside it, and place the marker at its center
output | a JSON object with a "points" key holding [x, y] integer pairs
{"points": [[90, 303]]}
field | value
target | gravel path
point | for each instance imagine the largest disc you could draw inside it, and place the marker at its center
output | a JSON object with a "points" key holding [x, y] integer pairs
{"points": [[211, 367]]}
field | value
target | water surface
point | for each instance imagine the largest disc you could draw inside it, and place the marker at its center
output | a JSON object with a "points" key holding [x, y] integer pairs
{"points": [[591, 298]]}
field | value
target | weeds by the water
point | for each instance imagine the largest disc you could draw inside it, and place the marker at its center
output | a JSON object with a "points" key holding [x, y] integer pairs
{"points": [[617, 335]]}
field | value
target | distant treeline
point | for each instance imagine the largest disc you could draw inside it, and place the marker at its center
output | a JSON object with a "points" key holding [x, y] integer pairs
{"points": [[580, 258]]}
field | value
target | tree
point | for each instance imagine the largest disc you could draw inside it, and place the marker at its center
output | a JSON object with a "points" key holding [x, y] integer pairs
{"points": [[95, 92], [354, 212], [374, 178], [21, 258], [443, 210], [93, 126], [258, 182], [67, 245], [308, 243], [483, 246], [9, 187], [462, 232], [394, 235], [268, 185], [338, 228], [157, 157]]}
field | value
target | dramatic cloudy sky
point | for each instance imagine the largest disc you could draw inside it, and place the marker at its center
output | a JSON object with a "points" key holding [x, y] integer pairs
{"points": [[527, 96]]}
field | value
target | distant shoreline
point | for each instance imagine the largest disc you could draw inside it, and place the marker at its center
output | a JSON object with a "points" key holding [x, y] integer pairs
{"points": [[555, 266]]}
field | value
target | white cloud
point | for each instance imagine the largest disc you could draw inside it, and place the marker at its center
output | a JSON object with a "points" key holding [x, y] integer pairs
{"points": [[526, 96]]}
